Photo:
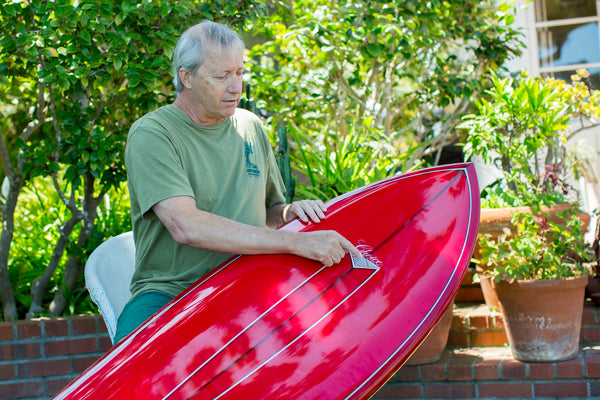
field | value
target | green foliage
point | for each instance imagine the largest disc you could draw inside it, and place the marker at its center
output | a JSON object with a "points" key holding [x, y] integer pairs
{"points": [[366, 89], [539, 249], [391, 68], [523, 127], [341, 163]]}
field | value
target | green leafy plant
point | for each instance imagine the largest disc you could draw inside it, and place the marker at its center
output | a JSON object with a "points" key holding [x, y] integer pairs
{"points": [[522, 127], [341, 163], [538, 248]]}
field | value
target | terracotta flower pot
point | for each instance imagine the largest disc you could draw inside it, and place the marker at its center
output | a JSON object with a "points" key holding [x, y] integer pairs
{"points": [[542, 317], [430, 350], [493, 221], [489, 295]]}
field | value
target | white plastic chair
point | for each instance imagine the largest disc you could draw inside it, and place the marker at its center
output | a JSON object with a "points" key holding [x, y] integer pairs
{"points": [[108, 273]]}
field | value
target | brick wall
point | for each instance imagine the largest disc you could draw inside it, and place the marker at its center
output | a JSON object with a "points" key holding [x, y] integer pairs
{"points": [[39, 357]]}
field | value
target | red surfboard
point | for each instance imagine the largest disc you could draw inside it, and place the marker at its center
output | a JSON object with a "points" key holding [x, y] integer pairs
{"points": [[285, 327]]}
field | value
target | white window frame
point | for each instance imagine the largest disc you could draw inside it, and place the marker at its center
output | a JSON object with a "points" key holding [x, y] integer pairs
{"points": [[532, 40]]}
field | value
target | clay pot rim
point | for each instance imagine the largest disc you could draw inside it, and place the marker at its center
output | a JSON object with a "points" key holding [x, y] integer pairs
{"points": [[572, 281]]}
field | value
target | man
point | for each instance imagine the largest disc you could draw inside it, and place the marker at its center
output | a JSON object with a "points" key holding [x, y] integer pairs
{"points": [[204, 183]]}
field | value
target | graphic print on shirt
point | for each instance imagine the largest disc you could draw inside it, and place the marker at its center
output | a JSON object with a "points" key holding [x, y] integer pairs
{"points": [[251, 168]]}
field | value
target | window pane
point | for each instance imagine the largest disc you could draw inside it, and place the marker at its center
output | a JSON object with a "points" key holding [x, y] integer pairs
{"points": [[552, 10], [593, 81], [567, 45]]}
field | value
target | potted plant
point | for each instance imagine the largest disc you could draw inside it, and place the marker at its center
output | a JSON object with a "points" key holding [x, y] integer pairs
{"points": [[539, 279], [523, 127]]}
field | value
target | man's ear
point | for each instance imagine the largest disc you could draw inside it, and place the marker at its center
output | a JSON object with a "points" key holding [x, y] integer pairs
{"points": [[185, 77]]}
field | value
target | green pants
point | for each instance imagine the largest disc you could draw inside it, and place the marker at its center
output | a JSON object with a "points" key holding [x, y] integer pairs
{"points": [[138, 310]]}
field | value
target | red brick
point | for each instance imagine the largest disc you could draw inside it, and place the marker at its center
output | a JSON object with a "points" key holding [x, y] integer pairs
{"points": [[512, 369], [102, 325], [450, 391], [70, 346], [433, 372], [592, 363], [28, 329], [460, 372], [83, 324], [396, 392], [505, 390], [80, 364], [458, 339], [18, 390], [588, 317], [19, 351], [589, 335], [487, 370], [560, 389], [459, 323], [105, 344], [540, 371], [45, 368], [479, 321], [6, 352], [595, 389], [6, 331], [407, 374], [56, 385], [7, 371], [498, 322], [569, 369], [488, 338], [56, 327]]}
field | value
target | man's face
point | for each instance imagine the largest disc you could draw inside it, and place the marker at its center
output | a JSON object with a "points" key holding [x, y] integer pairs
{"points": [[217, 87]]}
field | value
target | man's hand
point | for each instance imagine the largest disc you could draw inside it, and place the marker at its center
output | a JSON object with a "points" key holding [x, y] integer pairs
{"points": [[327, 247], [305, 210]]}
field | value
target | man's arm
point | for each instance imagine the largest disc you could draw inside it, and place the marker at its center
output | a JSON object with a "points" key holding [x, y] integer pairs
{"points": [[192, 227]]}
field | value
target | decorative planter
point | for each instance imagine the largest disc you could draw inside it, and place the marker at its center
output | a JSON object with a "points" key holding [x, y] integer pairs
{"points": [[542, 317], [489, 295], [430, 350], [494, 221]]}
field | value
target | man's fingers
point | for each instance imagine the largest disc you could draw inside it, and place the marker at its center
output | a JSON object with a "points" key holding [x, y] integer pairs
{"points": [[307, 209]]}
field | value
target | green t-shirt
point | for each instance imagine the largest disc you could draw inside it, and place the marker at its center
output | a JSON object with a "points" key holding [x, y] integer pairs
{"points": [[230, 170]]}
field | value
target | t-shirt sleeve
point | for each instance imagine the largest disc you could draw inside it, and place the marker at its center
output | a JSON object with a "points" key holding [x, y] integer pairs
{"points": [[154, 168]]}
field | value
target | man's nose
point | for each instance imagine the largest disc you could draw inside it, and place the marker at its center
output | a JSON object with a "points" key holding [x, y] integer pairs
{"points": [[235, 85]]}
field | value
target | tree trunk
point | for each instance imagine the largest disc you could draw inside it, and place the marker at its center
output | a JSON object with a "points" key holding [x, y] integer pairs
{"points": [[74, 265], [39, 285], [8, 219]]}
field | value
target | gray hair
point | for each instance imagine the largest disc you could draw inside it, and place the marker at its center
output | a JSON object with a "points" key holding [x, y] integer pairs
{"points": [[196, 41]]}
